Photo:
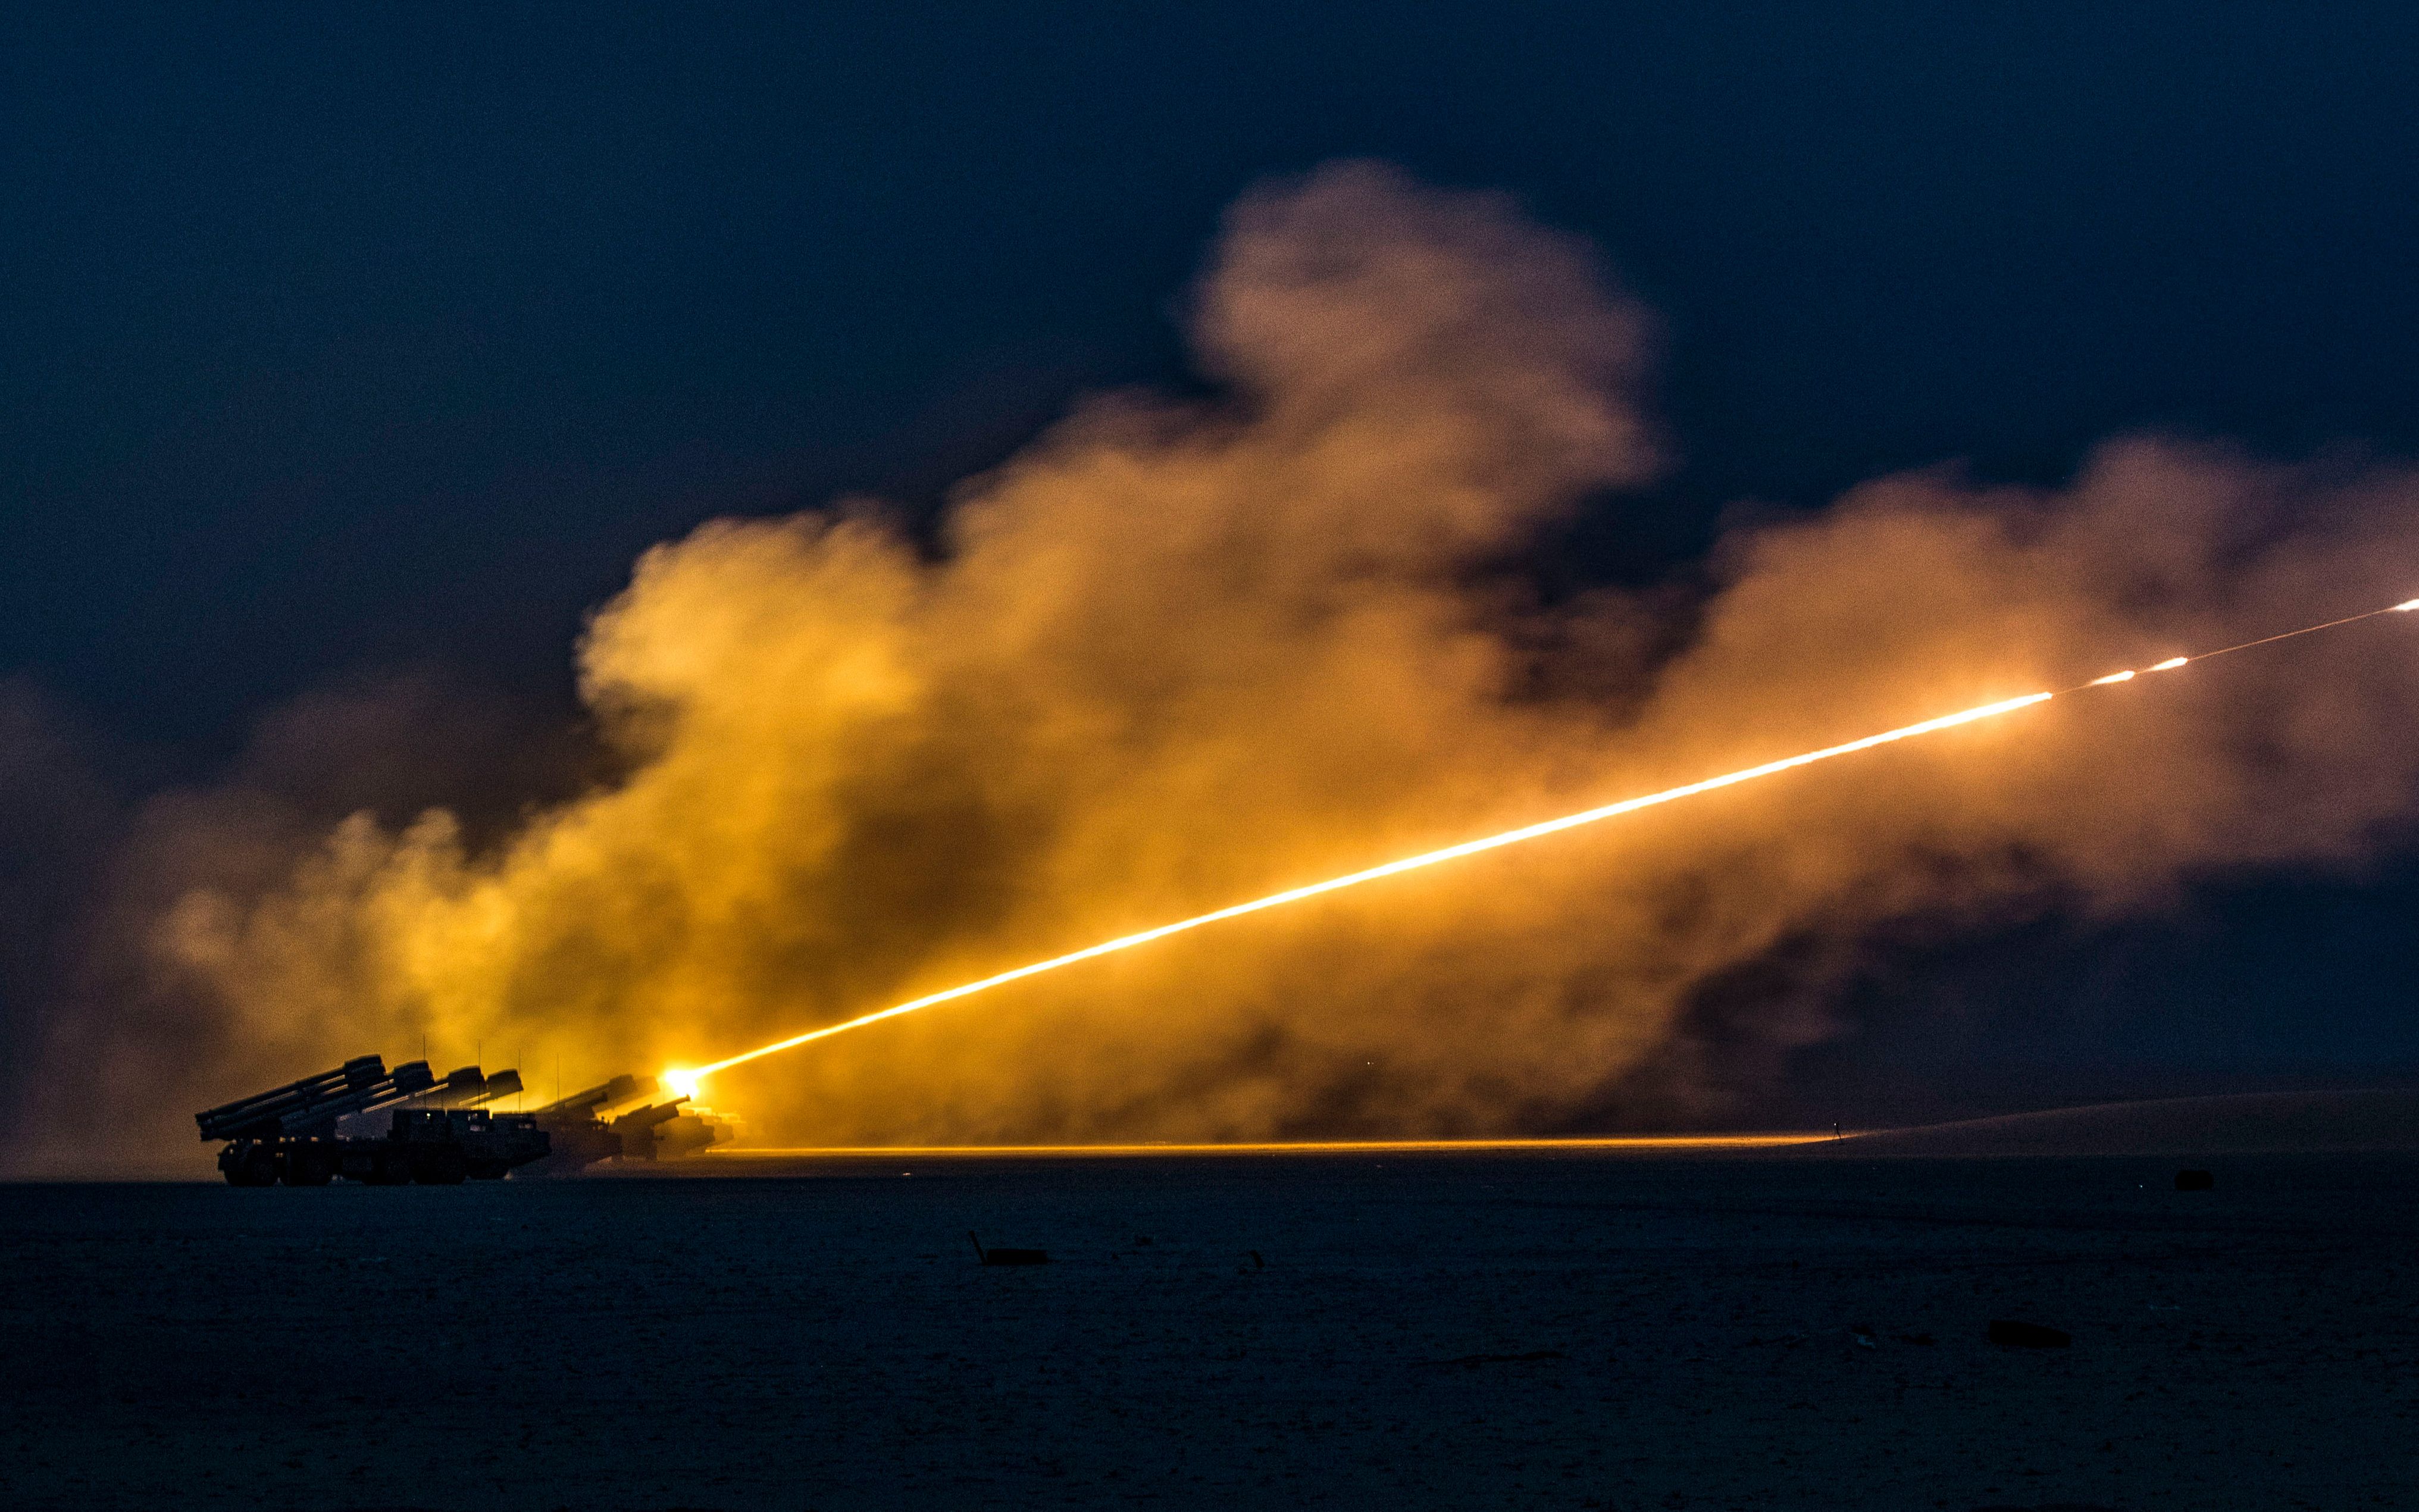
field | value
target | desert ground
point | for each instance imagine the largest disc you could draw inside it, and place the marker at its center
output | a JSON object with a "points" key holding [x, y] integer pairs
{"points": [[1538, 1328]]}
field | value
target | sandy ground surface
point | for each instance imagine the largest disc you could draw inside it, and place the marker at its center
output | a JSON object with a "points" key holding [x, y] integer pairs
{"points": [[2308, 1123], [1605, 1329]]}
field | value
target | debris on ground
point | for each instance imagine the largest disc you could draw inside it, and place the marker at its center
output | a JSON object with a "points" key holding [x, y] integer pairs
{"points": [[1002, 1254]]}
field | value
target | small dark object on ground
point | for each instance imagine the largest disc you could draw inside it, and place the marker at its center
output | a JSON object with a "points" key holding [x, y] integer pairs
{"points": [[1257, 1263], [1471, 1361], [1917, 1339], [2194, 1181], [2021, 1335], [1140, 1240], [1001, 1255]]}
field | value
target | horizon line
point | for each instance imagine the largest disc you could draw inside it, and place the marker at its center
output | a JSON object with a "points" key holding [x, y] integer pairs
{"points": [[1282, 1146]]}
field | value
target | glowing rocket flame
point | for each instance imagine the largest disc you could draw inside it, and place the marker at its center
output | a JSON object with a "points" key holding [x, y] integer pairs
{"points": [[1410, 863], [681, 1082], [685, 1082]]}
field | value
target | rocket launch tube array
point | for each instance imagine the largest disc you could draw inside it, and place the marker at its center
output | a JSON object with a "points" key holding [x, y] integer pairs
{"points": [[313, 1105]]}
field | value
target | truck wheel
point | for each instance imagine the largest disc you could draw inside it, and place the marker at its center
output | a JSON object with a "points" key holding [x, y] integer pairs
{"points": [[255, 1167], [394, 1168], [308, 1167]]}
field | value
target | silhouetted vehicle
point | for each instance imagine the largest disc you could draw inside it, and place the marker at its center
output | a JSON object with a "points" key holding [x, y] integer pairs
{"points": [[310, 1131], [586, 1128], [384, 1128], [580, 1125]]}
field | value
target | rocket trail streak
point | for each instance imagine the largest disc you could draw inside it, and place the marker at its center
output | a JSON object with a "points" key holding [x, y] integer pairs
{"points": [[1410, 863], [2403, 608], [1509, 837]]}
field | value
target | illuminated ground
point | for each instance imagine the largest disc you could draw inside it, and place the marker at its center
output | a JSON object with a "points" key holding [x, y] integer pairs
{"points": [[1566, 1328]]}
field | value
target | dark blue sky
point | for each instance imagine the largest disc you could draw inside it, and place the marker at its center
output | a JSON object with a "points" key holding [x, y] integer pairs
{"points": [[339, 339]]}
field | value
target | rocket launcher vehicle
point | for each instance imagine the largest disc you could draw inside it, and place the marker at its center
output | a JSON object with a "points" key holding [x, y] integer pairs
{"points": [[620, 1121], [365, 1123], [303, 1134]]}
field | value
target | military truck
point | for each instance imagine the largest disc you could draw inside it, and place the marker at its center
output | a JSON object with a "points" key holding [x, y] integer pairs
{"points": [[365, 1123], [587, 1127], [308, 1132]]}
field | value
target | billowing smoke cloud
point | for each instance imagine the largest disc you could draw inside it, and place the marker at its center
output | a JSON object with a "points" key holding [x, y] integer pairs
{"points": [[1177, 653]]}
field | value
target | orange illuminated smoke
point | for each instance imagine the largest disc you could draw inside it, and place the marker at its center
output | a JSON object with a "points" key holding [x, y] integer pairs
{"points": [[1410, 863], [688, 1079]]}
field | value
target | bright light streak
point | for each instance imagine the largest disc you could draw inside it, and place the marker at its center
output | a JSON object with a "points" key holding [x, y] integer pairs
{"points": [[1410, 863], [763, 1157], [684, 1083]]}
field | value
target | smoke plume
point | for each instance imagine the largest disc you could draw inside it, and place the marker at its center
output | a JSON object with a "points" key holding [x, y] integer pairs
{"points": [[1179, 654]]}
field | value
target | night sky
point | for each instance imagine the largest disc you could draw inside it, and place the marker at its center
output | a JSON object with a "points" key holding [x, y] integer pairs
{"points": [[342, 345]]}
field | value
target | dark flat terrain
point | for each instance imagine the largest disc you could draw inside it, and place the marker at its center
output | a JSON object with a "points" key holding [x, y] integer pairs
{"points": [[1500, 1330]]}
